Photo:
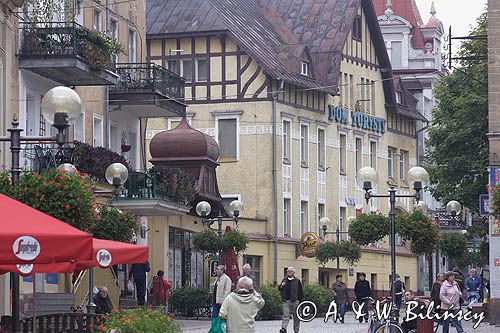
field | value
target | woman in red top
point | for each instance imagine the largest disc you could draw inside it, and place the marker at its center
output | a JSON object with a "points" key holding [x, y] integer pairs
{"points": [[161, 288]]}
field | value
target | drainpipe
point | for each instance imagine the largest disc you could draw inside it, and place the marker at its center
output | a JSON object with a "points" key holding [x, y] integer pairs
{"points": [[275, 184], [106, 90]]}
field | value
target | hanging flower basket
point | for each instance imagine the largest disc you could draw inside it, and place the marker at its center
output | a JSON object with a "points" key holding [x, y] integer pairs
{"points": [[234, 240], [369, 228], [206, 241], [330, 251], [114, 224], [418, 229]]}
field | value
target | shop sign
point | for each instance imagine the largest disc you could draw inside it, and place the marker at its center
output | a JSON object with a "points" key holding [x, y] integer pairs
{"points": [[309, 244], [358, 119], [213, 267]]}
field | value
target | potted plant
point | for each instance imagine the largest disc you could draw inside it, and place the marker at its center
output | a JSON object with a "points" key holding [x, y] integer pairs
{"points": [[206, 241], [369, 228], [234, 240], [420, 230], [113, 224]]}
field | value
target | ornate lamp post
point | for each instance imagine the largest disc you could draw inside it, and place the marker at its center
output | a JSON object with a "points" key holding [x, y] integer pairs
{"points": [[203, 209], [367, 178], [324, 222]]}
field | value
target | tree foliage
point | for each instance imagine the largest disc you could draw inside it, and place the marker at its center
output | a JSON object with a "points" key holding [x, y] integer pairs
{"points": [[459, 153]]}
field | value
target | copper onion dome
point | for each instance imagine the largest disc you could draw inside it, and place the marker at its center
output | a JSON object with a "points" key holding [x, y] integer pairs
{"points": [[183, 143]]}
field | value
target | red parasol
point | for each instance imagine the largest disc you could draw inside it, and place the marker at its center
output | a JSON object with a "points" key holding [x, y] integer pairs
{"points": [[105, 254], [29, 236], [230, 259]]}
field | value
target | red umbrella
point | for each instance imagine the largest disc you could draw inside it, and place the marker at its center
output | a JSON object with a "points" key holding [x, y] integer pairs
{"points": [[30, 236], [105, 254]]}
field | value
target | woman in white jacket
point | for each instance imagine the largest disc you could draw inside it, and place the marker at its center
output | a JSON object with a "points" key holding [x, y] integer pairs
{"points": [[241, 307]]}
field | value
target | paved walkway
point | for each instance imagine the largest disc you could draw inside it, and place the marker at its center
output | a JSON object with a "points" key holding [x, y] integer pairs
{"points": [[319, 326]]}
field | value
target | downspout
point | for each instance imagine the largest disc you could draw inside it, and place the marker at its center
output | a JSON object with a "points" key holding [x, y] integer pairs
{"points": [[106, 90], [275, 183]]}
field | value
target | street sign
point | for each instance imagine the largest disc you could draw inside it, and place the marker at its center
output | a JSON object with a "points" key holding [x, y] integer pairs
{"points": [[484, 204]]}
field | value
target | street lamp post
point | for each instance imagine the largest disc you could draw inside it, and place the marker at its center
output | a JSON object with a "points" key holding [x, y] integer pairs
{"points": [[454, 208], [203, 210], [60, 106], [325, 221], [367, 178]]}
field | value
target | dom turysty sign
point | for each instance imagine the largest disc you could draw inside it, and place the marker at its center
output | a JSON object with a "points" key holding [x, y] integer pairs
{"points": [[358, 119]]}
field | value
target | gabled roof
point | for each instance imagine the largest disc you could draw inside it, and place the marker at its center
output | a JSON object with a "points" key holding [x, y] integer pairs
{"points": [[408, 105], [276, 33]]}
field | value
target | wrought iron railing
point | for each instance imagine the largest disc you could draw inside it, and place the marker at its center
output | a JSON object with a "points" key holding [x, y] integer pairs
{"points": [[446, 220], [64, 39], [40, 157], [149, 77], [145, 185]]}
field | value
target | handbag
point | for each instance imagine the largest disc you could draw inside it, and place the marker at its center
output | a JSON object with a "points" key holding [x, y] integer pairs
{"points": [[218, 325], [130, 286]]}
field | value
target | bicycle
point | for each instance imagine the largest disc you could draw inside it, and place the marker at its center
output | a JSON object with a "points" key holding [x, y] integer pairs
{"points": [[382, 325]]}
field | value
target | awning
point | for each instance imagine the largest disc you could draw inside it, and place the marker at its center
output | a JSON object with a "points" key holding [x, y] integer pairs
{"points": [[28, 236]]}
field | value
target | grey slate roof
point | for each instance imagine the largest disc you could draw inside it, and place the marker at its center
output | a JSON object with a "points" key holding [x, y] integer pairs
{"points": [[276, 33]]}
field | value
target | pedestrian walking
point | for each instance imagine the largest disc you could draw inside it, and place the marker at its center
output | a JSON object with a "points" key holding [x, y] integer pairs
{"points": [[291, 294], [450, 296], [247, 271], [222, 288], [240, 307], [460, 280], [160, 291], [138, 274], [362, 291], [400, 288], [473, 288], [436, 288], [341, 297]]}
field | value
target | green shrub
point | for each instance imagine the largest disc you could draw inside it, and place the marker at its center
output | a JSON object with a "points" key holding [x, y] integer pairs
{"points": [[273, 306], [234, 240], [206, 241], [453, 245], [113, 224], [319, 295], [140, 320], [420, 230], [185, 299]]}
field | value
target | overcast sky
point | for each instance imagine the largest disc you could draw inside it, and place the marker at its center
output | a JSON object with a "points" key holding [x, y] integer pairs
{"points": [[460, 14]]}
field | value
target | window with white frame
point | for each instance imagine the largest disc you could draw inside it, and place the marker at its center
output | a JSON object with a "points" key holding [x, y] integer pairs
{"points": [[359, 152], [98, 131], [114, 138], [79, 128], [342, 220], [172, 66], [373, 95], [97, 20], [304, 144], [396, 54], [390, 161], [114, 34], [132, 45], [304, 219], [201, 70], [304, 68], [286, 216], [346, 90], [79, 12], [403, 164], [351, 91], [187, 70], [373, 154], [321, 149], [173, 122], [342, 153], [227, 135], [321, 211], [286, 140]]}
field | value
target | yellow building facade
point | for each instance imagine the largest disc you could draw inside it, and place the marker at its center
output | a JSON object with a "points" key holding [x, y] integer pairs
{"points": [[305, 131]]}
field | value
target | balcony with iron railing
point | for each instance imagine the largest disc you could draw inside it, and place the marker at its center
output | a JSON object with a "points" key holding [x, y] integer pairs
{"points": [[67, 53], [153, 192], [148, 90]]}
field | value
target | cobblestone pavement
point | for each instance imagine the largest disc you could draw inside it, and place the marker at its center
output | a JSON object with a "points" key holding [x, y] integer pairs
{"points": [[319, 326]]}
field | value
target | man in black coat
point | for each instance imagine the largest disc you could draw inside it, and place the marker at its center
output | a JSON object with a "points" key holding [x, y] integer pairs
{"points": [[362, 291], [138, 273], [103, 302]]}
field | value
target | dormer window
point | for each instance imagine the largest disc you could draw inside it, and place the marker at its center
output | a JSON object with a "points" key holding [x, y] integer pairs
{"points": [[304, 68], [356, 28], [399, 97]]}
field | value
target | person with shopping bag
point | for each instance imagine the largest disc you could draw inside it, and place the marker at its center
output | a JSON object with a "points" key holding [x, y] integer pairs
{"points": [[222, 288]]}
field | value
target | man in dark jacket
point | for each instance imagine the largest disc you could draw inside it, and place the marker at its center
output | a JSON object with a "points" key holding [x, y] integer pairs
{"points": [[291, 294], [362, 291], [103, 302], [340, 295], [138, 273], [400, 290]]}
